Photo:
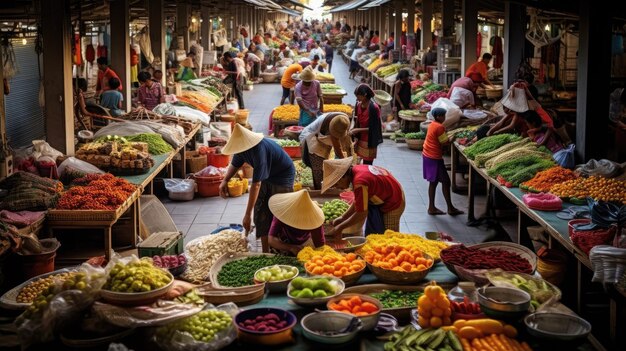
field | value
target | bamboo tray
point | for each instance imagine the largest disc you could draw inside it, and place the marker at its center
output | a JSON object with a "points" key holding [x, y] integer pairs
{"points": [[94, 217]]}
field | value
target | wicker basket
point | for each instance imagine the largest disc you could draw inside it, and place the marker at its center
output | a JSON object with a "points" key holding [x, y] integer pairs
{"points": [[494, 93], [415, 144], [396, 277], [225, 258], [33, 228], [269, 77], [195, 161], [61, 217], [241, 297]]}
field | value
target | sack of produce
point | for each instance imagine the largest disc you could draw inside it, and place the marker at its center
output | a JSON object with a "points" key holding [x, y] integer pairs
{"points": [[73, 168]]}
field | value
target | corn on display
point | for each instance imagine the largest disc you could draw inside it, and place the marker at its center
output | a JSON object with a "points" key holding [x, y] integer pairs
{"points": [[347, 109], [286, 113], [388, 70], [430, 247], [324, 76]]}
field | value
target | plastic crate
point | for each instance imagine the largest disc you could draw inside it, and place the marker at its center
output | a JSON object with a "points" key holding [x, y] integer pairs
{"points": [[161, 244]]}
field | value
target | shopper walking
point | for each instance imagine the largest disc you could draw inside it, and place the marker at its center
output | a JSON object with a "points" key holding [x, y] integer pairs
{"points": [[274, 173], [330, 55], [433, 166], [234, 78], [368, 126], [309, 97], [288, 83]]}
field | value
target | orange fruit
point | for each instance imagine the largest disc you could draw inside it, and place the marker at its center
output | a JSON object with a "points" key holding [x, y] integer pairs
{"points": [[435, 322], [423, 322], [437, 312]]}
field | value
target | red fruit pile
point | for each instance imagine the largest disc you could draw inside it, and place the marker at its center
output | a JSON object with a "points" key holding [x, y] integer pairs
{"points": [[267, 323], [169, 261], [465, 307]]}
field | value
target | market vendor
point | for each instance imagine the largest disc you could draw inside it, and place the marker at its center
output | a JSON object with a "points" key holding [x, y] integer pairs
{"points": [[481, 67], [402, 91], [378, 196], [513, 104], [150, 93], [328, 132], [297, 223], [309, 97], [186, 68], [105, 73], [288, 83], [463, 91], [274, 173], [367, 128]]}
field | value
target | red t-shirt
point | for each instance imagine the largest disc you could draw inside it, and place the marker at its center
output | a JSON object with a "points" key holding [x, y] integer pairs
{"points": [[103, 80], [545, 117], [376, 185], [435, 137]]}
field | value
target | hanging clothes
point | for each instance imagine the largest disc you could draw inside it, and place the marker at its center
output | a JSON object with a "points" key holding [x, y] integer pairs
{"points": [[78, 54], [550, 58], [479, 44], [497, 50], [90, 53], [134, 62]]}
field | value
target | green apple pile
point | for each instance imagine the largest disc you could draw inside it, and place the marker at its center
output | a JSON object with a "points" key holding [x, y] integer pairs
{"points": [[312, 287], [138, 276], [334, 209], [202, 326], [275, 273]]}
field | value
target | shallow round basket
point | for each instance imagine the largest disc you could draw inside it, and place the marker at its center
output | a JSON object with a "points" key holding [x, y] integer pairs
{"points": [[317, 301], [521, 250], [136, 298], [353, 243], [557, 326], [9, 299], [277, 286], [269, 77], [371, 320], [415, 144], [382, 97], [316, 323], [396, 277], [494, 93]]}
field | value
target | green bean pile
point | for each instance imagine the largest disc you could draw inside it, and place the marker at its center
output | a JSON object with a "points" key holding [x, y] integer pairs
{"points": [[241, 272], [397, 298]]}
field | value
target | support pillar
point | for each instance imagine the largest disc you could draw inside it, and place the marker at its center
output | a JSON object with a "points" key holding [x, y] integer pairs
{"points": [[156, 26], [183, 11], [514, 29], [120, 46], [470, 25], [594, 65], [397, 24], [427, 31], [410, 27], [57, 79], [206, 28], [448, 18]]}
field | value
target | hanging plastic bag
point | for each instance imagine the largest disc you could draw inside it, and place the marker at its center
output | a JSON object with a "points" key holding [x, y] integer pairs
{"points": [[565, 157]]}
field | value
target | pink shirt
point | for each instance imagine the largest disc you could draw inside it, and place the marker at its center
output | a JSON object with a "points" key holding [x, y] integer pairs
{"points": [[150, 97]]}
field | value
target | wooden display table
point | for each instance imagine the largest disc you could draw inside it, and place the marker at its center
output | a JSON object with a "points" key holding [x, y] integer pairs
{"points": [[335, 97]]}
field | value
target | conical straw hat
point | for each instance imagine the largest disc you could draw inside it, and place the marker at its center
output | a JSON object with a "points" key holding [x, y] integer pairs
{"points": [[334, 170], [241, 140], [515, 100], [297, 210]]}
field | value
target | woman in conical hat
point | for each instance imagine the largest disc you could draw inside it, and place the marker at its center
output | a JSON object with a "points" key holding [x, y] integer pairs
{"points": [[273, 173], [297, 223], [513, 103]]}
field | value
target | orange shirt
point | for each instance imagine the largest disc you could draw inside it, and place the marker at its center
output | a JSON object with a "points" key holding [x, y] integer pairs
{"points": [[435, 137], [545, 117], [479, 67], [286, 80]]}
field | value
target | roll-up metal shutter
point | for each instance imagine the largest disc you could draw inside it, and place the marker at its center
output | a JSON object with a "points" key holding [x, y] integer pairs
{"points": [[24, 118]]}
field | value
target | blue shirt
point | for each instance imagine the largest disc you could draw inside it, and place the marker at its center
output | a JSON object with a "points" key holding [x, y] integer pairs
{"points": [[111, 99], [270, 162]]}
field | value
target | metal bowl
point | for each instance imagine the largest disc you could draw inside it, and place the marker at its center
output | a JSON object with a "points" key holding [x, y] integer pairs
{"points": [[315, 324], [352, 243], [557, 326], [501, 302], [276, 286], [317, 301], [370, 321]]}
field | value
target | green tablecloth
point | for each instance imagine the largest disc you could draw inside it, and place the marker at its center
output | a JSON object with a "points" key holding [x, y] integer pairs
{"points": [[140, 178]]}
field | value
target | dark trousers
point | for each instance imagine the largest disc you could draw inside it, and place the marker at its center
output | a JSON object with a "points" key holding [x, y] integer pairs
{"points": [[238, 93]]}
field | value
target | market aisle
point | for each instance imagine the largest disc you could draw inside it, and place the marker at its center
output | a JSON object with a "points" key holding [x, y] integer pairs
{"points": [[202, 215]]}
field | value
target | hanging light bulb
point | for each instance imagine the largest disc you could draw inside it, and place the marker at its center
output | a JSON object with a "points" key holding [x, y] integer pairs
{"points": [[485, 28], [24, 41], [547, 28], [193, 20]]}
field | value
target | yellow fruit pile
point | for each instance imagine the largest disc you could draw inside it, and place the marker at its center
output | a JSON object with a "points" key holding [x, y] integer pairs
{"points": [[599, 188], [286, 112], [413, 241], [338, 108], [324, 76], [433, 308], [237, 187], [308, 252]]}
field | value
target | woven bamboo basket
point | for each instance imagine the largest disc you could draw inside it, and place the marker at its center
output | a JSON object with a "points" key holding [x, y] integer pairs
{"points": [[241, 297], [415, 144], [33, 228], [494, 93], [401, 278], [93, 216], [228, 257]]}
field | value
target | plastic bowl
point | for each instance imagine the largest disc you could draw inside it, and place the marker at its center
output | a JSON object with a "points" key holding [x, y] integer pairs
{"points": [[557, 326], [315, 324], [277, 337], [370, 321], [233, 226], [317, 301], [501, 302], [276, 286]]}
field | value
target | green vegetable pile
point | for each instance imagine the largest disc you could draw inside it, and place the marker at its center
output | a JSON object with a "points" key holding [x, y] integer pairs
{"points": [[304, 174], [489, 144], [241, 272], [397, 298], [418, 135], [539, 290], [334, 209], [520, 169], [156, 144], [285, 142]]}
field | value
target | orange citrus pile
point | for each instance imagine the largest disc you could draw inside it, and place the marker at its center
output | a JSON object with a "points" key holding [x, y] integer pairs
{"points": [[333, 265], [599, 188], [433, 308], [355, 306], [403, 258]]}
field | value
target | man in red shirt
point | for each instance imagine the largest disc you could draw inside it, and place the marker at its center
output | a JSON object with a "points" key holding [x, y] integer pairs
{"points": [[104, 74], [374, 189], [481, 67]]}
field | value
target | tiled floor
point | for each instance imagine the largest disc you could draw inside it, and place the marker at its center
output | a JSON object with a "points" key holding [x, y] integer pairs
{"points": [[202, 215]]}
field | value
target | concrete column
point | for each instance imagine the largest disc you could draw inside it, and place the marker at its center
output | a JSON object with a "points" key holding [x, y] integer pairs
{"points": [[205, 28], [410, 18], [120, 46], [594, 65], [448, 17], [57, 79], [427, 32], [470, 25], [514, 29], [398, 23], [183, 11], [156, 26]]}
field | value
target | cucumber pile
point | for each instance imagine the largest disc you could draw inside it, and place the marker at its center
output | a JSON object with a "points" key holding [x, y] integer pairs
{"points": [[410, 339]]}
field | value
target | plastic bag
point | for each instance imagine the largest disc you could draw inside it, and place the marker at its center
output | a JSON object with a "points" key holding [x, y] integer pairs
{"points": [[602, 168], [160, 313], [453, 112], [180, 189], [608, 263], [42, 148], [566, 158], [45, 317], [177, 340], [73, 168], [211, 171], [220, 130]]}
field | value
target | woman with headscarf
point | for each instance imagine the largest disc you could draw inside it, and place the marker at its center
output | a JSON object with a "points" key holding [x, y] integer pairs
{"points": [[367, 129], [328, 132], [402, 91], [378, 196], [297, 223]]}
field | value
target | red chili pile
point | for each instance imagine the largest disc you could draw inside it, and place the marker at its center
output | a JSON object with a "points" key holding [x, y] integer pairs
{"points": [[471, 258]]}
